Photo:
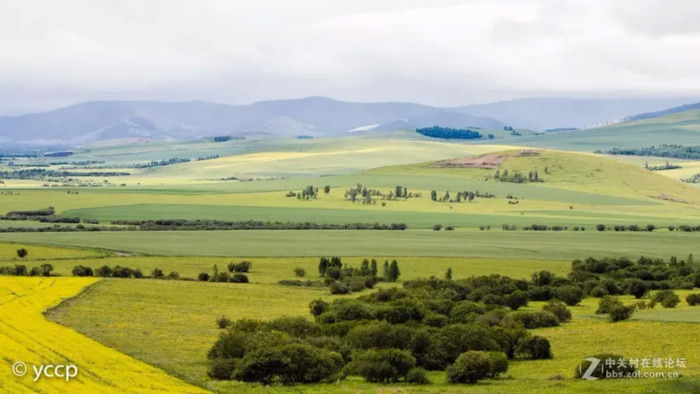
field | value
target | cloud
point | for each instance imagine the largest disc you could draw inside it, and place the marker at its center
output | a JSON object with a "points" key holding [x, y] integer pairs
{"points": [[436, 52]]}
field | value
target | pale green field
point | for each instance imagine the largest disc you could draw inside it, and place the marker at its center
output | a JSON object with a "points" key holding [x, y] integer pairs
{"points": [[548, 245]]}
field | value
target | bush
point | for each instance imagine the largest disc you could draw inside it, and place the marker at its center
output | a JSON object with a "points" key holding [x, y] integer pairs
{"points": [[598, 292], [693, 299], [603, 370], [537, 348], [243, 266], [600, 227], [203, 276], [533, 319], [379, 335], [571, 294], [173, 275], [22, 253], [223, 322], [105, 271], [157, 273], [437, 227], [338, 287], [667, 298], [239, 278], [417, 376], [621, 312], [516, 299], [606, 304], [81, 270], [558, 309], [290, 364], [498, 364], [637, 288], [222, 368], [299, 272], [317, 307], [383, 366], [470, 367]]}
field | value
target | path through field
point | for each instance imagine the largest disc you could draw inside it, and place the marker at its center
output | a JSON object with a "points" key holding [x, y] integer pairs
{"points": [[26, 336]]}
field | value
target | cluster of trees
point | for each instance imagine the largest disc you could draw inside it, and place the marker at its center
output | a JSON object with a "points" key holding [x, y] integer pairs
{"points": [[692, 179], [664, 150], [344, 279], [56, 228], [666, 166], [460, 196], [631, 227], [184, 225], [449, 133], [308, 193], [39, 173], [236, 273], [541, 227], [224, 138], [368, 196], [164, 162], [469, 328], [517, 177], [22, 270], [26, 215]]}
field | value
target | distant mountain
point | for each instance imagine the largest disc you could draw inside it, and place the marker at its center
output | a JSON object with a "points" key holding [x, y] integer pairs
{"points": [[658, 114], [552, 113], [315, 116]]}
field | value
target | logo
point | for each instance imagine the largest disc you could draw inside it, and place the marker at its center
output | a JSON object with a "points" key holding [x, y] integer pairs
{"points": [[588, 375]]}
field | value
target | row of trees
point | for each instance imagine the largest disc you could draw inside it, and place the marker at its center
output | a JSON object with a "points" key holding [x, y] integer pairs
{"points": [[183, 225], [449, 133], [460, 196], [517, 177], [344, 279], [664, 150]]}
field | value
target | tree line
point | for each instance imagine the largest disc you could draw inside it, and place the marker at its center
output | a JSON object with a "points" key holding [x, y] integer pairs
{"points": [[449, 133], [664, 150]]}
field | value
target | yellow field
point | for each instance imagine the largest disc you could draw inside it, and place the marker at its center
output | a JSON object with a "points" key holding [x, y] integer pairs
{"points": [[26, 336]]}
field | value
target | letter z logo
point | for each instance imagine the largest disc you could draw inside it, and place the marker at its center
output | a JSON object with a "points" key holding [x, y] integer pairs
{"points": [[588, 375]]}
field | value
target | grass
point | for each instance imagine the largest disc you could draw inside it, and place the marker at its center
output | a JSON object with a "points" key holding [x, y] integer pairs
{"points": [[550, 245], [126, 314], [28, 337], [8, 252]]}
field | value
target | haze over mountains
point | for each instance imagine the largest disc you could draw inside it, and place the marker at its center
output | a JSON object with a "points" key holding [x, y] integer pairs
{"points": [[314, 116]]}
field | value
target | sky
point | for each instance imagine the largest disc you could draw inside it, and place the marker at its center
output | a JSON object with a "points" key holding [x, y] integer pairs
{"points": [[437, 52]]}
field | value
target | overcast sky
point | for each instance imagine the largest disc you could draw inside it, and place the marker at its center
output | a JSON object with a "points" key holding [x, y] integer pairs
{"points": [[439, 52]]}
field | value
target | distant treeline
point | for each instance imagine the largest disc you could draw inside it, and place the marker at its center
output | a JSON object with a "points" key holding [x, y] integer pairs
{"points": [[38, 173], [181, 224], [692, 179], [648, 115], [224, 138], [663, 150], [449, 133]]}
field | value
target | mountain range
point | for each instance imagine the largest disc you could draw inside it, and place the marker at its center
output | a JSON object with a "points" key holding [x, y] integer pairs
{"points": [[313, 116]]}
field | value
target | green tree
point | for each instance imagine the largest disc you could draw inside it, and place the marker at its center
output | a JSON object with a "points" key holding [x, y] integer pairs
{"points": [[393, 272], [326, 189], [448, 274], [22, 253]]}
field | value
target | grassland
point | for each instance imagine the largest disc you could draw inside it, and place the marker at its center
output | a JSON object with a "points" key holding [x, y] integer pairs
{"points": [[267, 243], [28, 337]]}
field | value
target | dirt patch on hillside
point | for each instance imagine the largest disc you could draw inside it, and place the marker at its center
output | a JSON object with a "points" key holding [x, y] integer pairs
{"points": [[668, 198], [488, 161]]}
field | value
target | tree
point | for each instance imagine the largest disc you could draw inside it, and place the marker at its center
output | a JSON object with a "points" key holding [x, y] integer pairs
{"points": [[571, 294], [323, 266], [364, 268], [542, 278], [558, 309], [470, 367], [326, 189], [510, 336], [448, 274], [433, 195], [299, 272], [383, 366], [638, 288], [667, 298], [393, 272], [600, 227], [373, 268], [516, 300], [22, 253], [621, 312], [318, 306]]}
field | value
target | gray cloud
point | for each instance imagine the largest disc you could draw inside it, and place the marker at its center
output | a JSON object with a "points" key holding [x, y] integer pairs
{"points": [[435, 52]]}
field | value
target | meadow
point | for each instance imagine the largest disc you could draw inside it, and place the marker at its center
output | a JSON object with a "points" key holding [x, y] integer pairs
{"points": [[130, 325]]}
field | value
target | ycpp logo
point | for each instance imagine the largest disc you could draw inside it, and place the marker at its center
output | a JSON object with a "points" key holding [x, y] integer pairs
{"points": [[588, 375], [51, 371]]}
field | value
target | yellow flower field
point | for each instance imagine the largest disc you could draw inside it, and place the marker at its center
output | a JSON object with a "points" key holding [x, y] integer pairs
{"points": [[26, 336]]}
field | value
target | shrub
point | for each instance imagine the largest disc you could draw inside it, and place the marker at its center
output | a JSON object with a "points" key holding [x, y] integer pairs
{"points": [[22, 253], [157, 273], [598, 292], [537, 348], [437, 227], [621, 312], [383, 366], [516, 300], [667, 298], [338, 287], [223, 322], [533, 319], [600, 227], [203, 276], [81, 270], [693, 299], [239, 278], [498, 364], [417, 376], [318, 306], [558, 309], [541, 293], [173, 275], [290, 364], [379, 335], [299, 272], [604, 369], [243, 266], [637, 288], [104, 271], [470, 367], [606, 304], [571, 294], [221, 277], [222, 368]]}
